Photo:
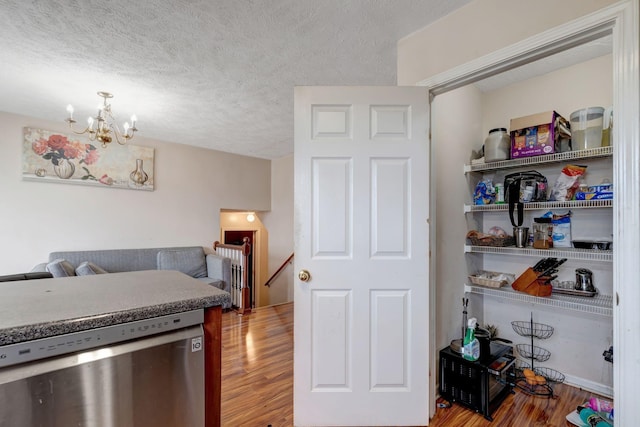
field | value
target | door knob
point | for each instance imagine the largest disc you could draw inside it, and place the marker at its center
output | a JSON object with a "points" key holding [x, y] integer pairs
{"points": [[304, 275]]}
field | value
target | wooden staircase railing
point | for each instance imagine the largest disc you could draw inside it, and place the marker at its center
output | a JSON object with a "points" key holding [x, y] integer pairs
{"points": [[279, 270], [239, 255]]}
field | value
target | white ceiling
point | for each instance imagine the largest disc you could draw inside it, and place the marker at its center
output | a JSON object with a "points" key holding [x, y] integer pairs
{"points": [[210, 73]]}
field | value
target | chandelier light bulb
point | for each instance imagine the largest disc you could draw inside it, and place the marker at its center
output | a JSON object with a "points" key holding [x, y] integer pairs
{"points": [[126, 127], [70, 111], [134, 119], [90, 121]]}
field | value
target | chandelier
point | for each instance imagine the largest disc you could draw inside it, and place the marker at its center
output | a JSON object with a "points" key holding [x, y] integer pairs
{"points": [[103, 128]]}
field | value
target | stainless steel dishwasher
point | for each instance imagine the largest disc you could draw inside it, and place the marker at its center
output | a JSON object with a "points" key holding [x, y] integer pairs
{"points": [[143, 373]]}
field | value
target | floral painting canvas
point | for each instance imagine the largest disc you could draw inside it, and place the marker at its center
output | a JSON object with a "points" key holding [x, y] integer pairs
{"points": [[74, 159]]}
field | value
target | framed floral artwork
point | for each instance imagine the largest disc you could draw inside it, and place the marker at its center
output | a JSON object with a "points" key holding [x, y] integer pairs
{"points": [[74, 159]]}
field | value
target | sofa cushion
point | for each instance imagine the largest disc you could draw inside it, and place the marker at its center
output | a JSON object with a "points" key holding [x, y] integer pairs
{"points": [[40, 268], [188, 261], [88, 269], [118, 260], [61, 268]]}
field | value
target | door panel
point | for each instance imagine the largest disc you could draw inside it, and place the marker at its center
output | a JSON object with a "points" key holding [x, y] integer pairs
{"points": [[390, 121], [360, 228], [331, 121], [332, 187], [390, 226], [332, 329], [389, 343]]}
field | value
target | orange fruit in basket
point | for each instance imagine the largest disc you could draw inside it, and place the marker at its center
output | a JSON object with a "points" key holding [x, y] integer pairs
{"points": [[540, 379], [531, 380], [528, 373]]}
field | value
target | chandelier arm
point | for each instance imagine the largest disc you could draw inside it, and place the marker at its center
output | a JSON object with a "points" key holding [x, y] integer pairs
{"points": [[102, 126], [118, 135], [88, 129], [121, 137]]}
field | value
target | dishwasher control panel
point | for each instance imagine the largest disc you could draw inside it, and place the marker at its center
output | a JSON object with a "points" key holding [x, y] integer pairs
{"points": [[14, 354]]}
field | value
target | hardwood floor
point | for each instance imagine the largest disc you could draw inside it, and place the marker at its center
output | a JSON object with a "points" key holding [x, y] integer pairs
{"points": [[518, 410], [257, 380], [257, 367]]}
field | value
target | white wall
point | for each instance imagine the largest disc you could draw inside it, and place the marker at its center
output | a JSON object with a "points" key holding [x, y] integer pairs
{"points": [[451, 151], [584, 85], [481, 27], [191, 186], [279, 221]]}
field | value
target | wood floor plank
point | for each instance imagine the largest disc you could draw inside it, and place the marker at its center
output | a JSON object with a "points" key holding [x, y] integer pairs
{"points": [[257, 367], [257, 381]]}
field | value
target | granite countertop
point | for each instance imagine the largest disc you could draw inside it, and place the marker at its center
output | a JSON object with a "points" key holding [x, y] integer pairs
{"points": [[35, 309]]}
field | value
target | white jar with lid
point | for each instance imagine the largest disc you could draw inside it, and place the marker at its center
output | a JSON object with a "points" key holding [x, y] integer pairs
{"points": [[497, 146]]}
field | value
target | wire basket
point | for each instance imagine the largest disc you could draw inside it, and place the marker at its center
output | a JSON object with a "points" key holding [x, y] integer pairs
{"points": [[492, 241], [528, 329], [532, 352], [490, 279], [551, 375], [522, 365]]}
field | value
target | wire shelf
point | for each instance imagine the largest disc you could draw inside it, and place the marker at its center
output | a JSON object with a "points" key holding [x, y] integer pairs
{"points": [[534, 389], [569, 253], [532, 329], [537, 160], [533, 352], [600, 304], [530, 206], [551, 375]]}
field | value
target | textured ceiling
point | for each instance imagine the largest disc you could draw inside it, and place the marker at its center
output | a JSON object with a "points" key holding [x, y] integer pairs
{"points": [[210, 73]]}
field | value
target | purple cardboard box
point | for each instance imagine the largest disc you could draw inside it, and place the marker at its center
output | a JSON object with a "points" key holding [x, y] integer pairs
{"points": [[539, 134]]}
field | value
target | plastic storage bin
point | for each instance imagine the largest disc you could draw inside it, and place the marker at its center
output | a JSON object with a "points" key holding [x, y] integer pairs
{"points": [[586, 128]]}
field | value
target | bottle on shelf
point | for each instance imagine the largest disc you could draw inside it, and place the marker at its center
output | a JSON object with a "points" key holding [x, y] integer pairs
{"points": [[470, 345], [497, 145]]}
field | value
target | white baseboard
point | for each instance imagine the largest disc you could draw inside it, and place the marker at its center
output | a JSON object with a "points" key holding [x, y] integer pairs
{"points": [[577, 382], [591, 386]]}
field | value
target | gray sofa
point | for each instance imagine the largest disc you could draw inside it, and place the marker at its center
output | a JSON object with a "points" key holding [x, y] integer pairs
{"points": [[209, 268]]}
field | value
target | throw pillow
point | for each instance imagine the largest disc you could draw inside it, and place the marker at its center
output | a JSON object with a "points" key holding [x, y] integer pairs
{"points": [[187, 261], [88, 268], [61, 268]]}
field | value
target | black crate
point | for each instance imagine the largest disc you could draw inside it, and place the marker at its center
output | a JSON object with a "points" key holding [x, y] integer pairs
{"points": [[474, 384]]}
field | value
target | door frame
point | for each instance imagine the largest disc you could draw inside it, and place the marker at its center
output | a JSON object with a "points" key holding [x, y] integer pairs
{"points": [[622, 21]]}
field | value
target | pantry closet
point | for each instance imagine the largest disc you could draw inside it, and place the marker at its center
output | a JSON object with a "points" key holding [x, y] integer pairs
{"points": [[590, 61]]}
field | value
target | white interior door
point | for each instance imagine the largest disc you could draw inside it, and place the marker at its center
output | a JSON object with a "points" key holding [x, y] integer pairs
{"points": [[361, 209]]}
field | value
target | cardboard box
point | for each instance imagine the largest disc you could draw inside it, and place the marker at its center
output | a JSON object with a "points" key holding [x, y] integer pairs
{"points": [[539, 134], [596, 192]]}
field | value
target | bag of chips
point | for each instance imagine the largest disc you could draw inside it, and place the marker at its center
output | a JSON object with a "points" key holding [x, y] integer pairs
{"points": [[567, 183]]}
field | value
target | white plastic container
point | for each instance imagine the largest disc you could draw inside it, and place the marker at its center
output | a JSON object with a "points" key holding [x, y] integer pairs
{"points": [[497, 145], [586, 128]]}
